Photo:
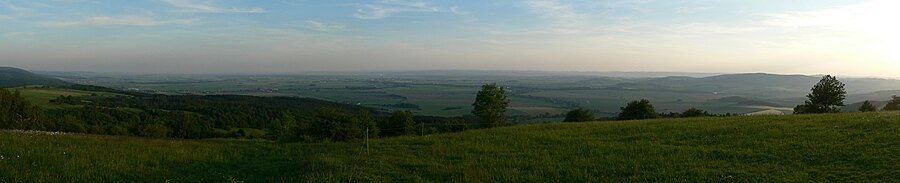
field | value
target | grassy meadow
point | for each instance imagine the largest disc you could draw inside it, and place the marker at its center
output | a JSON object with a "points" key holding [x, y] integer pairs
{"points": [[850, 147], [41, 96]]}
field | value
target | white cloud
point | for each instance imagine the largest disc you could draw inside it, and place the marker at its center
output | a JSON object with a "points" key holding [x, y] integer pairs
{"points": [[324, 27], [386, 8], [124, 21], [206, 7]]}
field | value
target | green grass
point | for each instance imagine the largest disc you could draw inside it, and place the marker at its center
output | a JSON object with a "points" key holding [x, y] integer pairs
{"points": [[798, 148], [42, 96]]}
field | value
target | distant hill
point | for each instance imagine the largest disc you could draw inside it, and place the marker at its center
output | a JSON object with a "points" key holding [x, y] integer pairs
{"points": [[13, 77], [854, 107]]}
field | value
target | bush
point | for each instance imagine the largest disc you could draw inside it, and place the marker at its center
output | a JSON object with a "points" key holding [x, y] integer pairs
{"points": [[579, 115], [694, 112], [638, 109]]}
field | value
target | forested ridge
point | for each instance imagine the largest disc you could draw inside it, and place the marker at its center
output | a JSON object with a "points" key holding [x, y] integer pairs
{"points": [[204, 116]]}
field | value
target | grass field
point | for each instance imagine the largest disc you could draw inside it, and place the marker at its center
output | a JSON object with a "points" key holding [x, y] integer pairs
{"points": [[42, 96], [797, 148]]}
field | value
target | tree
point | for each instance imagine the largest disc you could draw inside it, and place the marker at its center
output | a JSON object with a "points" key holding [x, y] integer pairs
{"points": [[694, 112], [894, 104], [333, 124], [490, 105], [827, 96], [18, 113], [285, 127], [400, 123], [638, 109], [867, 107], [579, 115]]}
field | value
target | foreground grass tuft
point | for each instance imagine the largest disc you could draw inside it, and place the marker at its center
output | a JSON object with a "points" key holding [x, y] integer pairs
{"points": [[809, 148]]}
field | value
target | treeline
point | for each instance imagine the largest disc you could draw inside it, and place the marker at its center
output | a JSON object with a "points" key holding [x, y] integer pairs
{"points": [[217, 116], [639, 109]]}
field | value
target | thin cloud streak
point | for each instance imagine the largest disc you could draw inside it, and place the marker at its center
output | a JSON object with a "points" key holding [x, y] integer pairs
{"points": [[193, 6], [123, 21], [324, 27], [387, 8]]}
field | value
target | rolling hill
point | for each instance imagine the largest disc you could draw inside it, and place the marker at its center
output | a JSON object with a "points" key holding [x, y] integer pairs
{"points": [[849, 147], [14, 77]]}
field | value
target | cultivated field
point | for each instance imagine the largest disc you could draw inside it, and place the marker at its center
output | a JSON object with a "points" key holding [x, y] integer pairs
{"points": [[850, 147], [451, 94]]}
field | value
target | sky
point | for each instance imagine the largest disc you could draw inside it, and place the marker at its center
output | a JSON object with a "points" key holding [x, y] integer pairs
{"points": [[841, 37]]}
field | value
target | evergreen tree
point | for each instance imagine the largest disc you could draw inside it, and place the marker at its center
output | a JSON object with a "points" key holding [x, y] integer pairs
{"points": [[827, 96], [867, 107], [893, 105], [490, 105]]}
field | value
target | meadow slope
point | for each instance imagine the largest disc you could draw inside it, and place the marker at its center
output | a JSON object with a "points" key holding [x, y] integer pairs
{"points": [[798, 148]]}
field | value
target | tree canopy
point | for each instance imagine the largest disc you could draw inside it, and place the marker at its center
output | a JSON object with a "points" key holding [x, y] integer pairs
{"points": [[867, 107], [827, 96], [638, 109], [579, 115], [490, 105], [893, 105], [694, 112]]}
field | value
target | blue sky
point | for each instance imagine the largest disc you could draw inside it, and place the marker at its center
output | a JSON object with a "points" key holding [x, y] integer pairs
{"points": [[255, 36]]}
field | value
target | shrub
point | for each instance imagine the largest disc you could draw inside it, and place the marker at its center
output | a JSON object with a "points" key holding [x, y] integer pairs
{"points": [[638, 109], [579, 115]]}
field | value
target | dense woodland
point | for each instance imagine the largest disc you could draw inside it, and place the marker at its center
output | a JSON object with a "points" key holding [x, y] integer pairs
{"points": [[215, 116]]}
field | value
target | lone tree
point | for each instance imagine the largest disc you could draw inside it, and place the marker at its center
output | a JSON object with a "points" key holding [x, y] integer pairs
{"points": [[867, 107], [579, 115], [894, 104], [694, 112], [638, 109], [490, 105], [827, 96]]}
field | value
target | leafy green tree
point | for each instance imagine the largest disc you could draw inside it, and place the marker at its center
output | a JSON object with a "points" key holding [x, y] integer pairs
{"points": [[694, 112], [332, 124], [867, 107], [579, 115], [638, 109], [285, 128], [827, 96], [490, 105], [18, 113], [893, 105], [400, 123]]}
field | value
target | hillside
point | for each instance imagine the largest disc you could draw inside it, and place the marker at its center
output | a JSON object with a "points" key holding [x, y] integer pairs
{"points": [[13, 77], [850, 147]]}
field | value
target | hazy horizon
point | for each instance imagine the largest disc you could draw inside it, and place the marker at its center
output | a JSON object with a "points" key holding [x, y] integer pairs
{"points": [[838, 37]]}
